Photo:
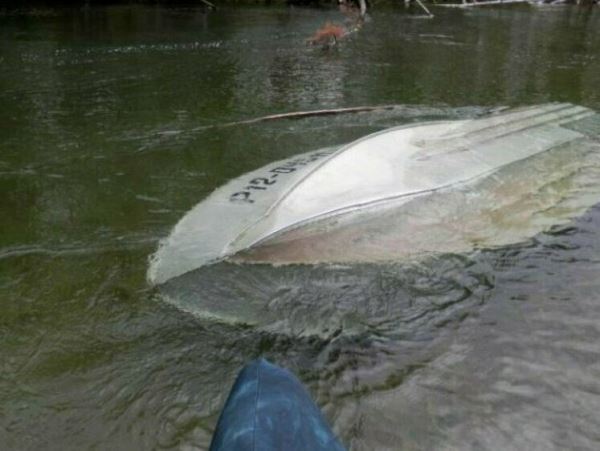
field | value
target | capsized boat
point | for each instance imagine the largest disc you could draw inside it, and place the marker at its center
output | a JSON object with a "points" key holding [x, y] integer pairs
{"points": [[443, 186]]}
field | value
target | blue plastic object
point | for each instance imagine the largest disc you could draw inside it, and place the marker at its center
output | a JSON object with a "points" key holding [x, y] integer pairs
{"points": [[268, 409]]}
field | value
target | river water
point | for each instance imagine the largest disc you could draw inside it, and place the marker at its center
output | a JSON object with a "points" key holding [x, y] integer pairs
{"points": [[103, 148]]}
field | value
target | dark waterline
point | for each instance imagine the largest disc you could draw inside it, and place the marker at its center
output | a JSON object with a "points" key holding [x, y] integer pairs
{"points": [[100, 155]]}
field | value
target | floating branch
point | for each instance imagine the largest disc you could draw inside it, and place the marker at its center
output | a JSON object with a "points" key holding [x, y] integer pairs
{"points": [[209, 4], [483, 3], [302, 114], [424, 7], [291, 115]]}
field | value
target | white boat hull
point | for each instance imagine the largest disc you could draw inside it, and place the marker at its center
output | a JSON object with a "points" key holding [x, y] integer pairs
{"points": [[444, 186]]}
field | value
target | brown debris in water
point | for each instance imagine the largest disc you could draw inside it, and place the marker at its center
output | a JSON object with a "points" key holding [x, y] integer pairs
{"points": [[328, 35]]}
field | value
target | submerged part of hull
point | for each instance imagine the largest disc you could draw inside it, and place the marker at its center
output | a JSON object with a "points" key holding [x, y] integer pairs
{"points": [[546, 190], [434, 187]]}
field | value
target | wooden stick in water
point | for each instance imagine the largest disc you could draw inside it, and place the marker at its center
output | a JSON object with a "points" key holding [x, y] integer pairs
{"points": [[209, 4], [295, 115], [483, 3], [291, 115], [424, 7], [302, 114]]}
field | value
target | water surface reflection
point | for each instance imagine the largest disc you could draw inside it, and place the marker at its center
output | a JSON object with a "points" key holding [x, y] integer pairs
{"points": [[100, 154]]}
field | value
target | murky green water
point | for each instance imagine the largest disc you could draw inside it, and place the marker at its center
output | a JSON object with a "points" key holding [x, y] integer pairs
{"points": [[101, 154]]}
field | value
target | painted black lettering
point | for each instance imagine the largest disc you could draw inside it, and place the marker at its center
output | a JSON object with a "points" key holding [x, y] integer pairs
{"points": [[262, 181], [283, 170], [241, 196]]}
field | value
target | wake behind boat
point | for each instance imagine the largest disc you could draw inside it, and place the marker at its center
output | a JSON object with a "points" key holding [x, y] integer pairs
{"points": [[443, 186]]}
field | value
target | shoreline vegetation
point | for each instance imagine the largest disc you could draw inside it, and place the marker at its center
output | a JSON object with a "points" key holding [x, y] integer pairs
{"points": [[355, 11], [362, 5], [328, 35]]}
